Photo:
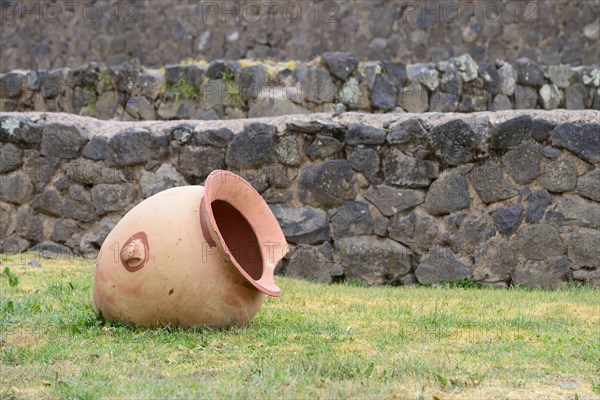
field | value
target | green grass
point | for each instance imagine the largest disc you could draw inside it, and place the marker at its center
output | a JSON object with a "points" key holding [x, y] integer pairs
{"points": [[183, 89], [339, 341], [233, 94], [92, 99]]}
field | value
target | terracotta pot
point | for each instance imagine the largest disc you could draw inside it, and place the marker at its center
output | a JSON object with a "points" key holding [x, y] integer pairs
{"points": [[191, 256]]}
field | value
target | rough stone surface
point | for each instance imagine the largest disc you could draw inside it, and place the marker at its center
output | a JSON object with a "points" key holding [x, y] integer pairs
{"points": [[523, 163], [559, 176], [89, 172], [48, 202], [372, 260], [316, 84], [467, 67], [361, 134], [588, 185], [395, 72], [108, 198], [182, 134], [14, 245], [495, 261], [135, 146], [314, 126], [10, 158], [529, 72], [542, 274], [537, 203], [390, 201], [324, 146], [447, 194], [443, 102], [402, 170], [550, 96], [287, 152], [560, 75], [250, 148], [417, 232], [491, 78], [490, 183], [64, 230], [78, 205], [40, 169], [214, 137], [579, 211], [354, 94], [327, 184], [62, 141], [525, 98], [413, 98], [550, 152], [588, 276], [251, 81], [302, 225], [341, 65], [268, 105], [440, 265], [49, 250], [314, 263], [507, 219], [584, 247], [430, 78], [540, 242], [92, 239], [581, 139], [367, 161], [165, 177], [383, 94], [198, 162], [96, 148], [407, 132], [30, 226], [508, 79], [19, 130], [510, 133], [353, 219], [454, 142], [15, 188], [574, 97], [8, 220], [541, 129]]}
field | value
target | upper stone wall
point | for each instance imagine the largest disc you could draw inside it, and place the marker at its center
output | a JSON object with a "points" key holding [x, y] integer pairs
{"points": [[48, 35], [334, 82]]}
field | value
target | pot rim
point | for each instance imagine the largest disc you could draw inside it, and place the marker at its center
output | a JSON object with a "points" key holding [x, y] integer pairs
{"points": [[266, 282]]}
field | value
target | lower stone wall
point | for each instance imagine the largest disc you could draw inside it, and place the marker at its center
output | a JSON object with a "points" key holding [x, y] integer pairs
{"points": [[503, 198]]}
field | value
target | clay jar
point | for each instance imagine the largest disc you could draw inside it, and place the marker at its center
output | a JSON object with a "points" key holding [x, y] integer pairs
{"points": [[191, 256]]}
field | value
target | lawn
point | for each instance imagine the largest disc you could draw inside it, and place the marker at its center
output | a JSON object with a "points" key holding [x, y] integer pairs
{"points": [[339, 341]]}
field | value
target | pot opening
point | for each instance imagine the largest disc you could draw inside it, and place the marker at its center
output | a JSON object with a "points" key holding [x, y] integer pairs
{"points": [[246, 228], [239, 237]]}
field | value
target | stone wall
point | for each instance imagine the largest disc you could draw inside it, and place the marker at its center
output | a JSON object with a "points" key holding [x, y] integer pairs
{"points": [[56, 34], [334, 82], [503, 198]]}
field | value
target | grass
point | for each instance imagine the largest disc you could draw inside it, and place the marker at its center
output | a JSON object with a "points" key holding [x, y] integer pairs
{"points": [[339, 341], [92, 96], [182, 88], [106, 78], [233, 93]]}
